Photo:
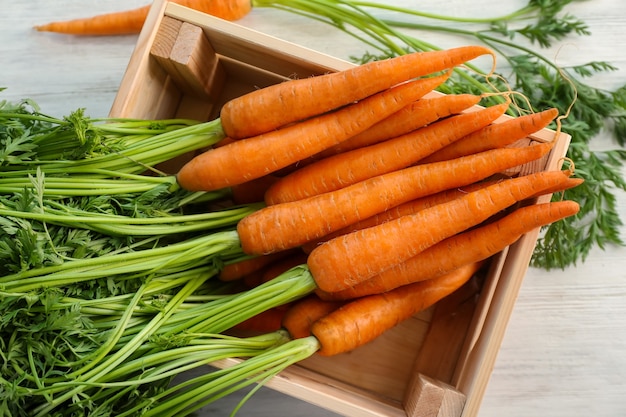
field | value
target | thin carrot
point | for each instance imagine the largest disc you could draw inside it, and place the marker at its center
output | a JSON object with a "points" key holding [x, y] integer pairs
{"points": [[295, 100], [495, 136], [237, 270], [252, 191], [131, 21], [347, 168], [418, 114], [269, 320], [299, 318], [258, 156], [282, 265], [287, 225], [362, 320], [345, 261], [471, 246]]}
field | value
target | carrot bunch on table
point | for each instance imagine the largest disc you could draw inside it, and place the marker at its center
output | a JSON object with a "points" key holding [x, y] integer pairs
{"points": [[385, 198]]}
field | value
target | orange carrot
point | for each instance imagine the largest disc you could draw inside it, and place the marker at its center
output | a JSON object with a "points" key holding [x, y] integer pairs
{"points": [[267, 321], [131, 21], [404, 209], [252, 191], [239, 269], [255, 157], [284, 103], [495, 136], [418, 114], [287, 225], [349, 259], [282, 265], [347, 168], [472, 246], [299, 318], [362, 320]]}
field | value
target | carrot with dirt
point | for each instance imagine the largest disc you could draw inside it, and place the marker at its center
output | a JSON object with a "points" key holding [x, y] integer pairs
{"points": [[288, 225], [496, 135], [307, 97], [301, 315], [129, 22], [471, 246], [255, 157], [362, 320], [339, 263], [347, 168], [418, 114]]}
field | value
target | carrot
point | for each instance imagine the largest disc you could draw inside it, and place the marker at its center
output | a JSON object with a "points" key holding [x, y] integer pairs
{"points": [[495, 136], [299, 318], [131, 21], [252, 191], [472, 246], [267, 321], [295, 100], [282, 265], [255, 157], [347, 168], [349, 259], [418, 114], [362, 320], [404, 209], [239, 269], [287, 225]]}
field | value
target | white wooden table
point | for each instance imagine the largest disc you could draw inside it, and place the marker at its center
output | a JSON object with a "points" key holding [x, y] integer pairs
{"points": [[564, 353]]}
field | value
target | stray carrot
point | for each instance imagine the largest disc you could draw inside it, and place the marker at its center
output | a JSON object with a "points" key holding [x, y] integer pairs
{"points": [[418, 114], [494, 136], [347, 168], [472, 246], [302, 314], [345, 261], [288, 225], [284, 103], [362, 320], [255, 157], [131, 21]]}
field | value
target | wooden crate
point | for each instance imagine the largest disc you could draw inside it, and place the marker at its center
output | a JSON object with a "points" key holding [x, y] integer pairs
{"points": [[187, 64]]}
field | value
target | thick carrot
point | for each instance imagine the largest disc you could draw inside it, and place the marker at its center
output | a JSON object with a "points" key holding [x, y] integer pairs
{"points": [[347, 168], [471, 246], [287, 225], [301, 315], [418, 114], [131, 21], [349, 259], [255, 157], [404, 209], [362, 320], [284, 103], [494, 136]]}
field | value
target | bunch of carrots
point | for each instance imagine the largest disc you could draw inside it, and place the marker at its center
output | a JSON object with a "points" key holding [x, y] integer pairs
{"points": [[379, 199]]}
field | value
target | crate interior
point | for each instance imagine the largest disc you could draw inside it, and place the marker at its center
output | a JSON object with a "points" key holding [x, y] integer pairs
{"points": [[187, 65]]}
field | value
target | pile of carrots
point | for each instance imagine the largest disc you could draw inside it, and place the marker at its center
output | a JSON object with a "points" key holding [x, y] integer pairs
{"points": [[388, 199]]}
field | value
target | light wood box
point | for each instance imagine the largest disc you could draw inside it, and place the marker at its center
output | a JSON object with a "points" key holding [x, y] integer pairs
{"points": [[187, 64]]}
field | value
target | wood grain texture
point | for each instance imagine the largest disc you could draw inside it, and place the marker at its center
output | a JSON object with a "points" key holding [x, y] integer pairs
{"points": [[563, 351]]}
